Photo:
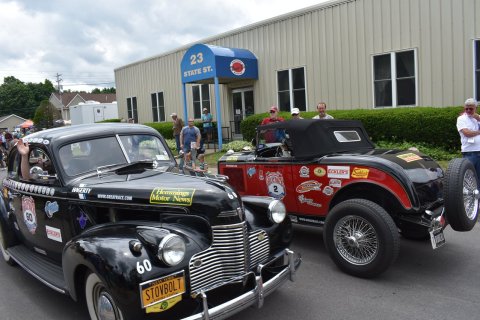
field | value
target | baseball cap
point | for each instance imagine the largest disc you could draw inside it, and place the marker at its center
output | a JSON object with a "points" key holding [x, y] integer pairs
{"points": [[295, 111], [205, 109], [470, 102], [273, 108], [173, 115]]}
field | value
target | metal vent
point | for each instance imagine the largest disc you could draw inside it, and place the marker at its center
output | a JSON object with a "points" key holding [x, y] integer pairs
{"points": [[228, 257]]}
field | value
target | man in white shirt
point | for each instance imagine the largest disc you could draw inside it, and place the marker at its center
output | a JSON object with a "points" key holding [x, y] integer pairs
{"points": [[321, 108], [469, 130]]}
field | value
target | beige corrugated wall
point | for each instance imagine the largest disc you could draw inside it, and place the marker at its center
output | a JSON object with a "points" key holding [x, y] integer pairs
{"points": [[335, 42]]}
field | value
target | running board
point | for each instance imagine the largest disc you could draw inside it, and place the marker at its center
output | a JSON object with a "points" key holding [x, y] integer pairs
{"points": [[47, 272]]}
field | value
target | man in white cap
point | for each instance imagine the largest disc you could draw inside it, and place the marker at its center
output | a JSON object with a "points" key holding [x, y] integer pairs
{"points": [[177, 128], [295, 113], [469, 130]]}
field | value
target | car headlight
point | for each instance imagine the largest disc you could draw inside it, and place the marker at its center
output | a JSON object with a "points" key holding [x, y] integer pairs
{"points": [[171, 249], [277, 211]]}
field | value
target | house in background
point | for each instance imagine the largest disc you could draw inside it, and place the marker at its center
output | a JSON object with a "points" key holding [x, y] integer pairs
{"points": [[64, 101], [10, 122]]}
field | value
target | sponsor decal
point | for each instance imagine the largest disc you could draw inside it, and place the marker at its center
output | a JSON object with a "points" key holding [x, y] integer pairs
{"points": [[51, 208], [336, 183], [275, 185], [304, 172], [177, 196], [82, 191], [53, 233], [82, 220], [319, 171], [231, 166], [409, 157], [164, 305], [340, 172], [36, 140], [308, 201], [29, 215], [5, 192], [251, 172], [260, 174], [310, 185], [114, 197], [328, 190], [361, 173], [237, 67]]}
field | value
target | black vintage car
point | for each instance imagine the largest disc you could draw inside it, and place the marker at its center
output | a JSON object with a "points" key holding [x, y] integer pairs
{"points": [[103, 214], [328, 173]]}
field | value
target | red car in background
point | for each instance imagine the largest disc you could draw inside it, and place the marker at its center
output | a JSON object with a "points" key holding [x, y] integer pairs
{"points": [[328, 173]]}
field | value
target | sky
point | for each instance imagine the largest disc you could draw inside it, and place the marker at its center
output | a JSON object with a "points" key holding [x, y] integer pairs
{"points": [[84, 41]]}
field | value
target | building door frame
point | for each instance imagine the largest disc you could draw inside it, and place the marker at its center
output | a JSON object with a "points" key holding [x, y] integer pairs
{"points": [[242, 106]]}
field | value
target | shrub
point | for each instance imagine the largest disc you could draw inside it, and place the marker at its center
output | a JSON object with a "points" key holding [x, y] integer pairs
{"points": [[236, 145], [433, 126]]}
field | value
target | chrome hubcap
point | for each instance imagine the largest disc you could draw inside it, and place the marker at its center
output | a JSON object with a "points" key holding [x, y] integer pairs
{"points": [[470, 194], [356, 240], [106, 309]]}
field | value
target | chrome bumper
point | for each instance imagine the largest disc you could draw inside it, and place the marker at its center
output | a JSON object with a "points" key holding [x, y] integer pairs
{"points": [[256, 295]]}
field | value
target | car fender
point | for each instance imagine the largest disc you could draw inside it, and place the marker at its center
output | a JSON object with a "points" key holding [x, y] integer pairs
{"points": [[108, 251]]}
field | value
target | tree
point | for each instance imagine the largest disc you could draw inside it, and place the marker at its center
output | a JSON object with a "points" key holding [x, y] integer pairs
{"points": [[105, 90], [22, 99], [46, 114]]}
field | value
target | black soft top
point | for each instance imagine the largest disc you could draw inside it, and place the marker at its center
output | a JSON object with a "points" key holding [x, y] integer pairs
{"points": [[310, 138]]}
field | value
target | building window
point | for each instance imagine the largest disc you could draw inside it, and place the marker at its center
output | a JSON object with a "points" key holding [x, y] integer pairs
{"points": [[158, 107], [477, 70], [291, 89], [201, 99], [132, 110], [394, 79]]}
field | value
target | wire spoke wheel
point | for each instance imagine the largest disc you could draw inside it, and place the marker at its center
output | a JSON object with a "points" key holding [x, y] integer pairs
{"points": [[356, 240], [470, 194]]}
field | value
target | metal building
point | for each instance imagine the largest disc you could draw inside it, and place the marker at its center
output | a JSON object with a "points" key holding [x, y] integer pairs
{"points": [[348, 53]]}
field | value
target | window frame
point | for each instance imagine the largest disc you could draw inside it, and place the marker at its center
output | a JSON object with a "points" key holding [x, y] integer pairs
{"points": [[394, 78], [291, 90], [158, 109], [476, 69], [203, 103], [132, 109]]}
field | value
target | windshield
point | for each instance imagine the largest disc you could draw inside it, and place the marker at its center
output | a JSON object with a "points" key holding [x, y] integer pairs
{"points": [[85, 156]]}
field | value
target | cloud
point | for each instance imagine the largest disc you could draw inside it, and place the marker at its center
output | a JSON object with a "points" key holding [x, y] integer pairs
{"points": [[86, 40]]}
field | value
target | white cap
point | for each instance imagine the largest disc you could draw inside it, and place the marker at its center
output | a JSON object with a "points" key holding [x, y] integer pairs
{"points": [[173, 115], [295, 111], [471, 102]]}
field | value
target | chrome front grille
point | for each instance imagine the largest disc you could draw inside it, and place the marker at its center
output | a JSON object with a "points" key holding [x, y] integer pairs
{"points": [[231, 254]]}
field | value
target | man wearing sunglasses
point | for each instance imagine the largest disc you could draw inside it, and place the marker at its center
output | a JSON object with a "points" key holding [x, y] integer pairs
{"points": [[273, 116], [468, 127]]}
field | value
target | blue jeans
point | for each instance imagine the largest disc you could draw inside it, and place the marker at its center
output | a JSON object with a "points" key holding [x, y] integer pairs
{"points": [[177, 142], [474, 158]]}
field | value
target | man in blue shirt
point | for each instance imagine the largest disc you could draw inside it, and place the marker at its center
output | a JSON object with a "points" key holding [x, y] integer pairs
{"points": [[207, 123], [190, 139]]}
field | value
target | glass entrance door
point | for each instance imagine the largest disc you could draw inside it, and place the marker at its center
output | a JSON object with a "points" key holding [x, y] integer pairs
{"points": [[242, 107]]}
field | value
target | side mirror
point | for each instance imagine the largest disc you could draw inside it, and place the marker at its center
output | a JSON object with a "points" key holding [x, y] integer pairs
{"points": [[254, 142]]}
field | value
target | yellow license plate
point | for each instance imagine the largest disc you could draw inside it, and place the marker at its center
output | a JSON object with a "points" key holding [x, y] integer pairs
{"points": [[163, 288]]}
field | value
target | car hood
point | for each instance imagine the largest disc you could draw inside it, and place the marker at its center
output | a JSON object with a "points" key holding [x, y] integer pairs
{"points": [[161, 187]]}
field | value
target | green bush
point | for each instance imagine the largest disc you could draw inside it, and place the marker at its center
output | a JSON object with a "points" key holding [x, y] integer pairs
{"points": [[110, 120], [236, 146], [166, 128], [171, 144], [433, 126]]}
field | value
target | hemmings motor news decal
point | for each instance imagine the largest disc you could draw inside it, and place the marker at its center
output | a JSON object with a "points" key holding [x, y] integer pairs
{"points": [[177, 196]]}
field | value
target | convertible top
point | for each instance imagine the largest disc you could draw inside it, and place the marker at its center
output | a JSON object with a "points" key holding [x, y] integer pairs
{"points": [[310, 138]]}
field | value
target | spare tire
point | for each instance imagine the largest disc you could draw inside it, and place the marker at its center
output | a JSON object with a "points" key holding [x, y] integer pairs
{"points": [[461, 194]]}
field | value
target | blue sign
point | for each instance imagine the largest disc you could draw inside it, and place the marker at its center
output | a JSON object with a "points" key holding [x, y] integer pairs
{"points": [[202, 62]]}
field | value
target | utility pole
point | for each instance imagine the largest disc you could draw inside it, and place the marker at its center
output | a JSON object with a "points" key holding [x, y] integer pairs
{"points": [[59, 89]]}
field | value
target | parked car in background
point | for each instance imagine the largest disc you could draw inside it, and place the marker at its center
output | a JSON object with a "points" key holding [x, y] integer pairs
{"points": [[104, 215], [328, 173]]}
